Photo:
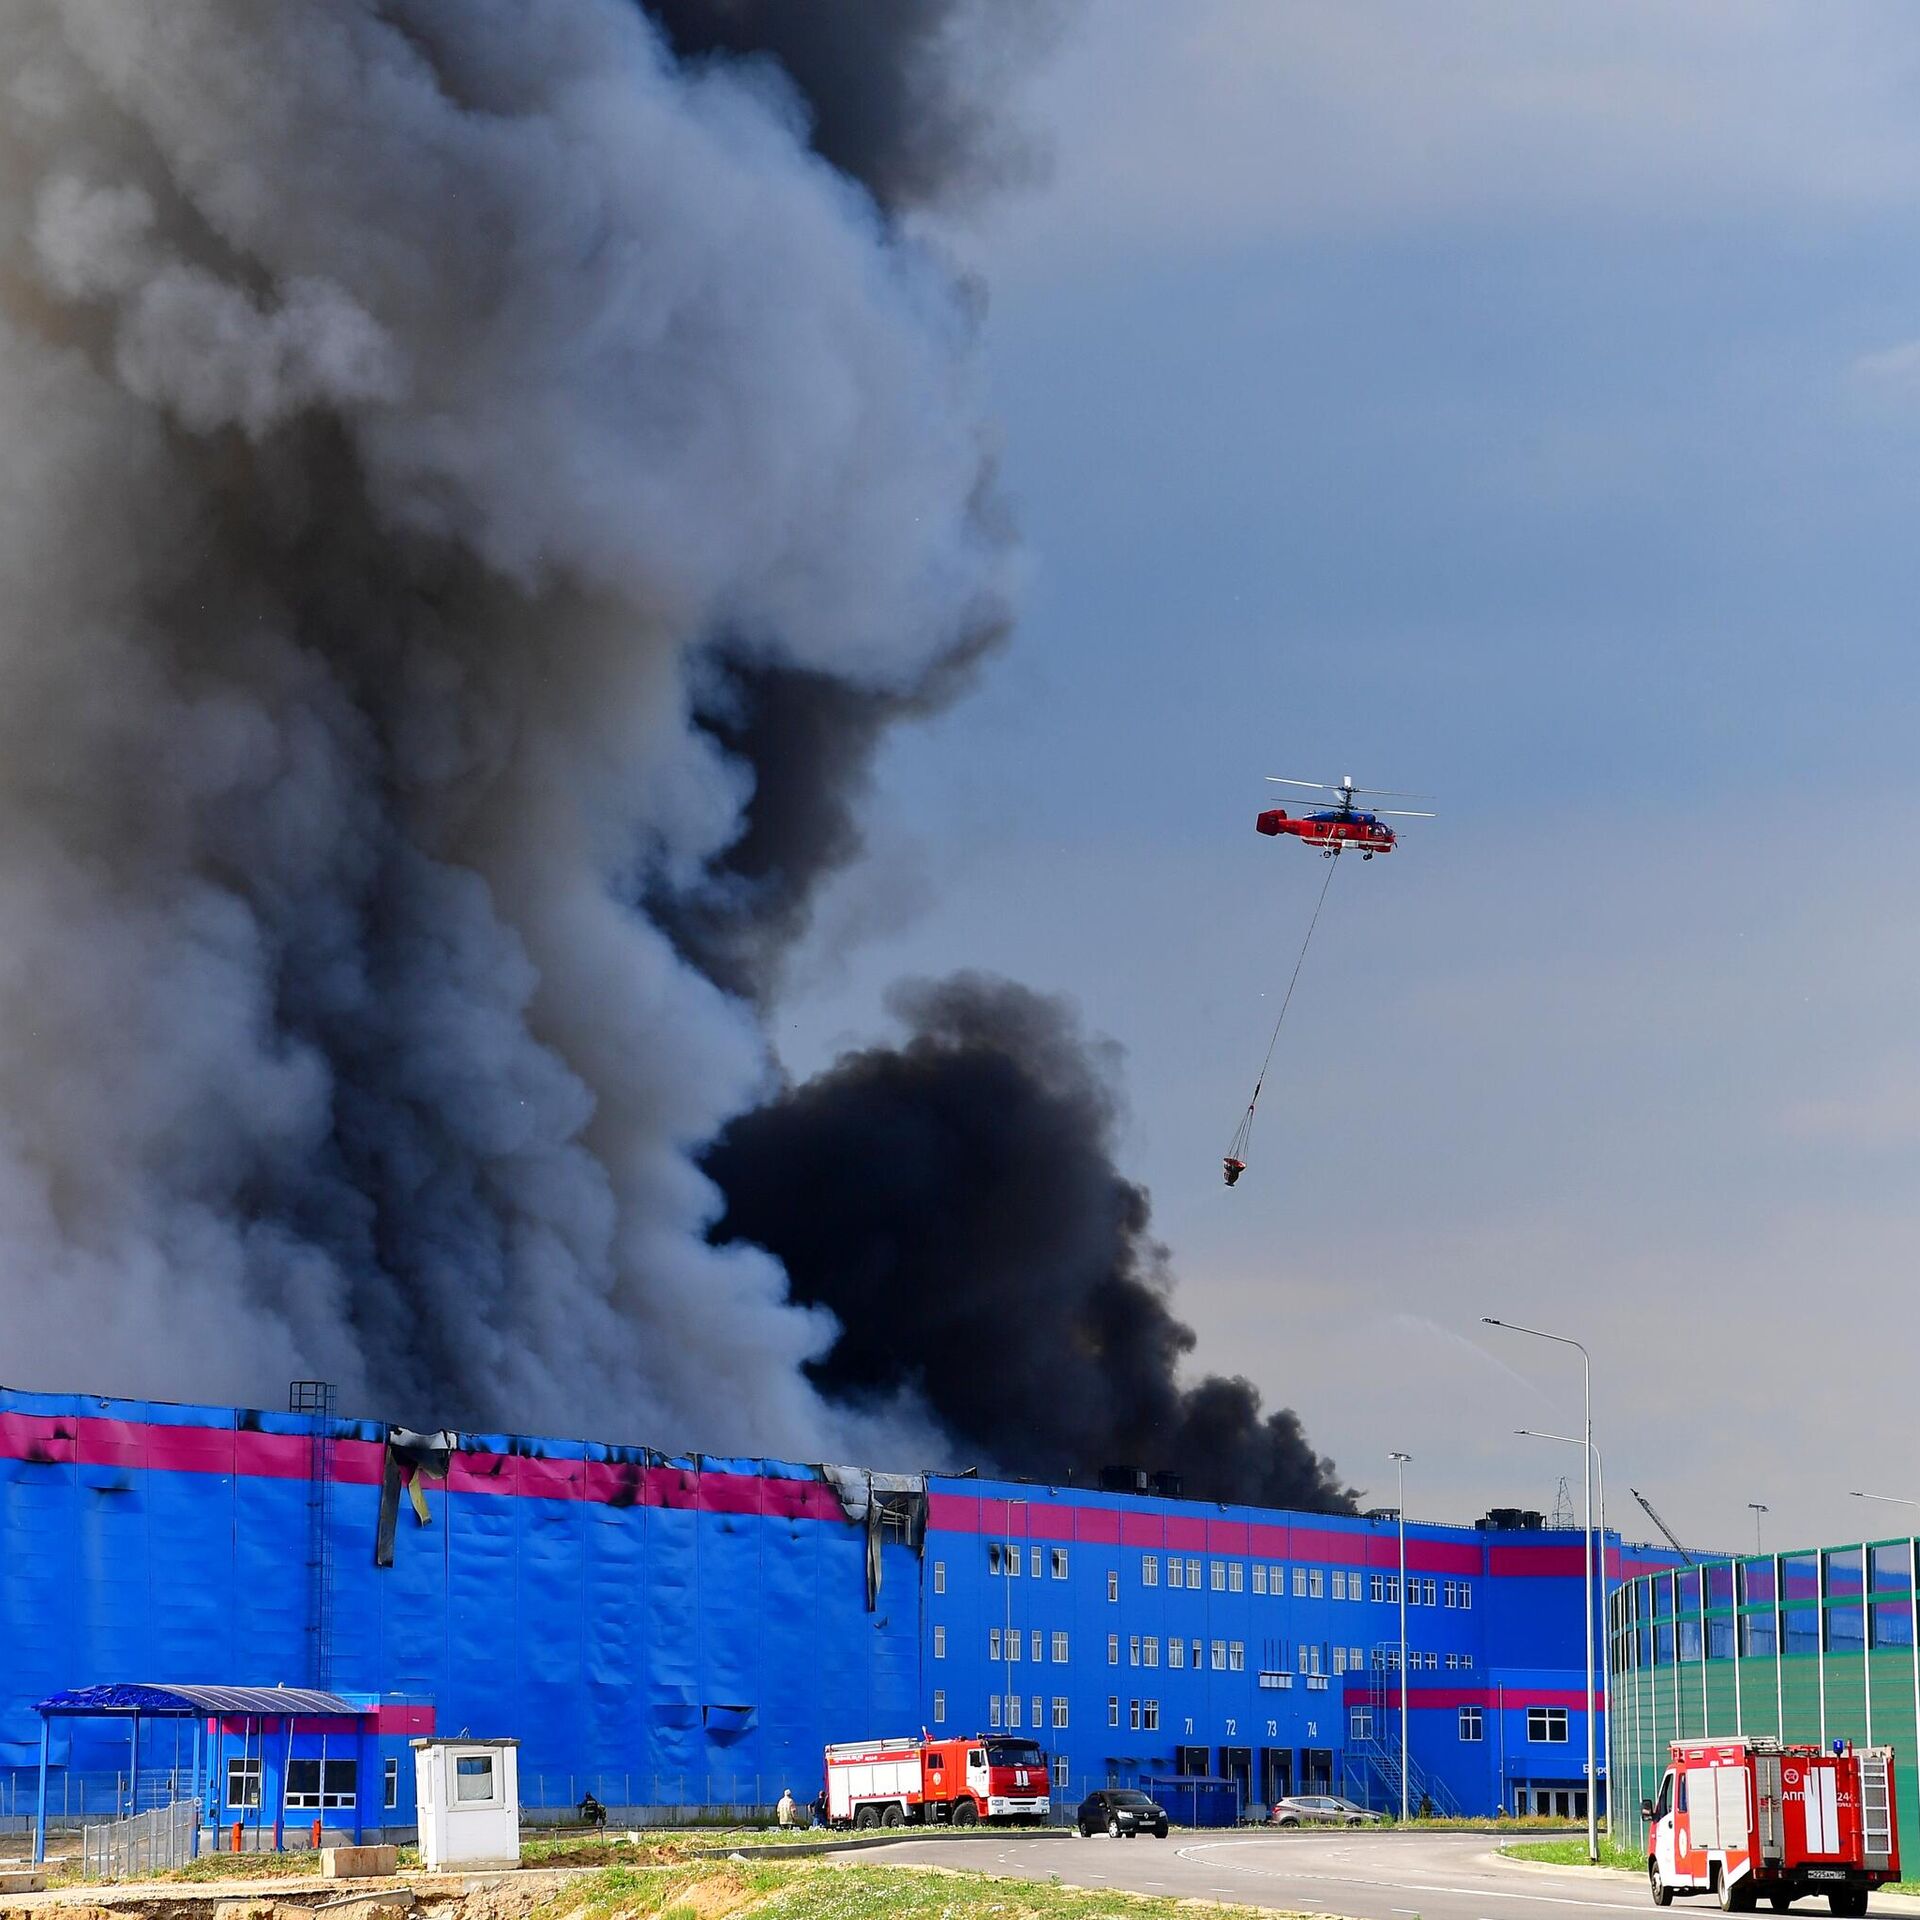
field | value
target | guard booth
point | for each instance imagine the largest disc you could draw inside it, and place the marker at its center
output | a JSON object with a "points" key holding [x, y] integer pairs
{"points": [[469, 1802]]}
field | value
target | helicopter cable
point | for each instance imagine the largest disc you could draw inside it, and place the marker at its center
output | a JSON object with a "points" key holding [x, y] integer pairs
{"points": [[1237, 1152]]}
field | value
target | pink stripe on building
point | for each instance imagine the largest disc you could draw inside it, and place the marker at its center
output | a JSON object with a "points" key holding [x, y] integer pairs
{"points": [[1542, 1562]]}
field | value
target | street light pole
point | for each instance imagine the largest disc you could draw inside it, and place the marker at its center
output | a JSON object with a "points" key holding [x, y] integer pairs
{"points": [[1759, 1507], [1400, 1514], [1586, 1584], [1606, 1678]]}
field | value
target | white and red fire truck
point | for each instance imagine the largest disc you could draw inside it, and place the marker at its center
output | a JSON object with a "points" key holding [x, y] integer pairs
{"points": [[992, 1776], [1753, 1819]]}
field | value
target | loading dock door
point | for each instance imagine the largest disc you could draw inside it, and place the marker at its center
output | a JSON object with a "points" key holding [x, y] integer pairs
{"points": [[1316, 1769], [1276, 1773], [1236, 1764], [1191, 1761]]}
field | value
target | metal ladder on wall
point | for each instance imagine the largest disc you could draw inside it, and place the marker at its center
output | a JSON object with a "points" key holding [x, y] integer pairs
{"points": [[315, 1399], [1378, 1751]]}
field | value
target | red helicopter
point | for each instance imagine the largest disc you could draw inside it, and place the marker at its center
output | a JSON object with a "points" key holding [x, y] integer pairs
{"points": [[1336, 829]]}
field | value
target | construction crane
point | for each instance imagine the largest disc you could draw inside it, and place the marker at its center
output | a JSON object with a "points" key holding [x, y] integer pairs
{"points": [[1653, 1514]]}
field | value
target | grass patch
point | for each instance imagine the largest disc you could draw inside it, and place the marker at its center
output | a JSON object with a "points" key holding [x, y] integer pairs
{"points": [[751, 1890], [1573, 1853]]}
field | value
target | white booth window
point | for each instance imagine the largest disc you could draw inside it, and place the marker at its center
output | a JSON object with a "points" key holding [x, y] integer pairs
{"points": [[473, 1777]]}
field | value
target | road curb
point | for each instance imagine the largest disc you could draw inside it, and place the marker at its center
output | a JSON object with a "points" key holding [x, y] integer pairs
{"points": [[896, 1837]]}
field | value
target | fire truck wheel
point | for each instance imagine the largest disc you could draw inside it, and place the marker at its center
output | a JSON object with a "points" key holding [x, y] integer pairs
{"points": [[867, 1817], [1849, 1903], [1662, 1893], [965, 1813], [895, 1816], [1735, 1896]]}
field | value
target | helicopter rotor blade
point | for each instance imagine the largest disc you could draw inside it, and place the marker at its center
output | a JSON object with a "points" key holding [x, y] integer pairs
{"points": [[1401, 813], [1391, 793], [1319, 786]]}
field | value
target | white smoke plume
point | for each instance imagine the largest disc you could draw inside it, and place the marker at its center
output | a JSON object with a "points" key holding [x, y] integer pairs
{"points": [[402, 406]]}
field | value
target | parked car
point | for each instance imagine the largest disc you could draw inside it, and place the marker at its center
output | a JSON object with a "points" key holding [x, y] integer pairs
{"points": [[1124, 1812], [1320, 1810]]}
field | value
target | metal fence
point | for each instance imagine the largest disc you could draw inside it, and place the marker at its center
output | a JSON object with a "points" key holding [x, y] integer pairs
{"points": [[74, 1799], [147, 1843]]}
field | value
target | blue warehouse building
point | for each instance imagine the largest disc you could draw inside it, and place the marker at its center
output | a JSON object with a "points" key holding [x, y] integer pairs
{"points": [[672, 1631]]}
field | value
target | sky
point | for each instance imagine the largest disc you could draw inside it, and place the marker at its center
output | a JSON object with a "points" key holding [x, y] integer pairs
{"points": [[1519, 406]]}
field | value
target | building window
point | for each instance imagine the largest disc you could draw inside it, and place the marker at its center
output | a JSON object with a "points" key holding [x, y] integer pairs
{"points": [[1133, 1650], [1466, 1660], [1193, 1575], [1547, 1723], [1013, 1645], [1450, 1594], [243, 1783], [1113, 1649], [1453, 1661], [993, 1712], [1060, 1563], [1259, 1576], [1470, 1723], [1194, 1658], [940, 1643], [1013, 1563], [391, 1782], [940, 1576], [1150, 1715], [1377, 1588], [1340, 1584], [313, 1785], [1393, 1589], [473, 1777], [1360, 1723], [1113, 1709], [1150, 1571], [939, 1705], [1466, 1595], [1236, 1577], [1013, 1710], [1133, 1715], [1059, 1649], [1304, 1668], [1316, 1584], [993, 1642], [1176, 1653], [1217, 1573], [1150, 1650], [1299, 1583], [1039, 1713], [1219, 1656], [1034, 1558], [1236, 1656], [1038, 1641], [1276, 1581], [1413, 1593], [1432, 1592], [1176, 1571], [1060, 1713], [1339, 1659]]}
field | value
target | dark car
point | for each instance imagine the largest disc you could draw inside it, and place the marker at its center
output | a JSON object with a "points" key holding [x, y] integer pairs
{"points": [[1123, 1812]]}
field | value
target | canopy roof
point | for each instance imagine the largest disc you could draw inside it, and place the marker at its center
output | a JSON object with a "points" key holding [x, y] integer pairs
{"points": [[266, 1703]]}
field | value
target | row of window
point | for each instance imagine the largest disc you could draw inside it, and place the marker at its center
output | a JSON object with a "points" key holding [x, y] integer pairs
{"points": [[317, 1786], [1008, 1646], [1229, 1576], [1143, 1650], [1143, 1716], [1005, 1559], [1003, 1710]]}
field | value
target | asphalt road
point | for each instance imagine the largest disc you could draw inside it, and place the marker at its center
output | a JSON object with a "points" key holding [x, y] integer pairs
{"points": [[1414, 1876]]}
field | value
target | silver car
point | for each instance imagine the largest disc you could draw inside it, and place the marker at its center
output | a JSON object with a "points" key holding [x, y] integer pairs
{"points": [[1320, 1810]]}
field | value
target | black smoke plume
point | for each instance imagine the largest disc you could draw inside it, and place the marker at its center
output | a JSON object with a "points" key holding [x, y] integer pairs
{"points": [[906, 96], [953, 1202]]}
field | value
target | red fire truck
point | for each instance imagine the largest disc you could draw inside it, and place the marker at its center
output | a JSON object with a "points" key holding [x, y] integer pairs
{"points": [[887, 1783], [1752, 1818]]}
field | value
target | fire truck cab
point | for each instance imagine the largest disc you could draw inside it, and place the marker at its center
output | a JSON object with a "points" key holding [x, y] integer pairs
{"points": [[1747, 1819]]}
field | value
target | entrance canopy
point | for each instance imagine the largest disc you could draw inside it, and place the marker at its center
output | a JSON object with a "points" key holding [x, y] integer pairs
{"points": [[135, 1701], [262, 1703]]}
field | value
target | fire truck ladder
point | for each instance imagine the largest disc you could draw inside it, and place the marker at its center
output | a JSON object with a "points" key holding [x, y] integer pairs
{"points": [[1876, 1806], [315, 1399]]}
